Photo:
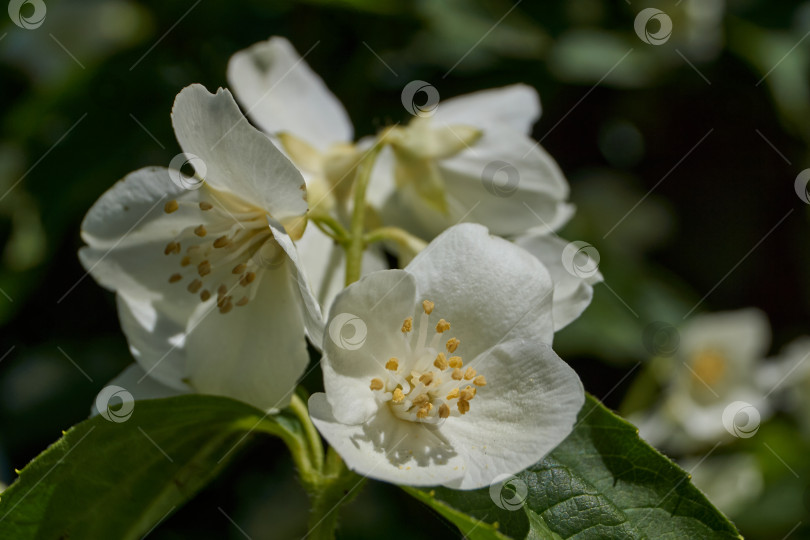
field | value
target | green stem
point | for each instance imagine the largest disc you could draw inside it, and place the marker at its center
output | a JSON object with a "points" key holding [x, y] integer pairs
{"points": [[402, 238], [356, 245], [299, 409], [332, 227], [336, 489]]}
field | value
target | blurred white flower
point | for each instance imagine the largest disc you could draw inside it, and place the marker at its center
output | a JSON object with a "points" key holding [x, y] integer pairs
{"points": [[208, 283], [730, 482], [713, 369], [445, 374], [788, 375]]}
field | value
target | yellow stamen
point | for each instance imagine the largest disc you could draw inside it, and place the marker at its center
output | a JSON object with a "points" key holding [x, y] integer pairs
{"points": [[194, 286], [247, 279], [222, 290], [470, 374], [441, 362], [407, 325], [205, 206], [453, 394], [424, 410], [427, 305], [204, 268], [227, 306], [463, 406], [185, 261], [171, 206], [480, 381], [172, 247], [442, 326], [392, 364], [468, 393], [221, 242], [426, 379], [242, 301], [376, 384], [398, 395], [444, 410], [420, 399], [205, 295], [457, 374], [455, 362], [174, 278], [239, 268], [452, 345], [200, 231]]}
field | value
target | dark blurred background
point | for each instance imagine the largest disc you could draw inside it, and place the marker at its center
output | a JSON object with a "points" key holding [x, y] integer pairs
{"points": [[708, 130]]}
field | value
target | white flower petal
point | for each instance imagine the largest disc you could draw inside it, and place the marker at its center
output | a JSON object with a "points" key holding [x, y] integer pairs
{"points": [[527, 408], [527, 191], [479, 284], [313, 318], [389, 449], [133, 381], [255, 353], [361, 335], [516, 106], [156, 339], [572, 293], [281, 93], [239, 159]]}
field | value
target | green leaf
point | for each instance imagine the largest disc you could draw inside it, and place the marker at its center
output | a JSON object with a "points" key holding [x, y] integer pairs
{"points": [[602, 482], [117, 480]]}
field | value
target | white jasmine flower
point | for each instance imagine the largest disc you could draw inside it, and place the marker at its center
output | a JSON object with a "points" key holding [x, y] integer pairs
{"points": [[207, 281], [442, 373], [473, 159], [292, 105], [714, 367]]}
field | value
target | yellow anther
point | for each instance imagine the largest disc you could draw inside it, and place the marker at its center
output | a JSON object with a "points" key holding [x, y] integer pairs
{"points": [[398, 395], [407, 325], [455, 362], [444, 410], [172, 247], [457, 374], [442, 326], [194, 286], [470, 374], [174, 278], [427, 305], [222, 300], [247, 279], [480, 381], [392, 364], [205, 295], [468, 393], [239, 268], [185, 261], [463, 406], [453, 394], [204, 268], [376, 384], [205, 206], [221, 242], [452, 345], [440, 362], [200, 231], [426, 379], [227, 306], [171, 206], [424, 410], [242, 301], [222, 290], [420, 399]]}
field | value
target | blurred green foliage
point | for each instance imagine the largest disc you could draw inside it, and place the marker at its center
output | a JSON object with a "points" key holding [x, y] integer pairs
{"points": [[86, 99]]}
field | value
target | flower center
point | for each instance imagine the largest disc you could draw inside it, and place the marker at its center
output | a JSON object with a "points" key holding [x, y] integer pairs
{"points": [[709, 366], [429, 384], [227, 255]]}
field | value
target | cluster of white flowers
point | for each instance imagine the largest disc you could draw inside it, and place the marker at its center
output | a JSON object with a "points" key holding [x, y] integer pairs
{"points": [[449, 377]]}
